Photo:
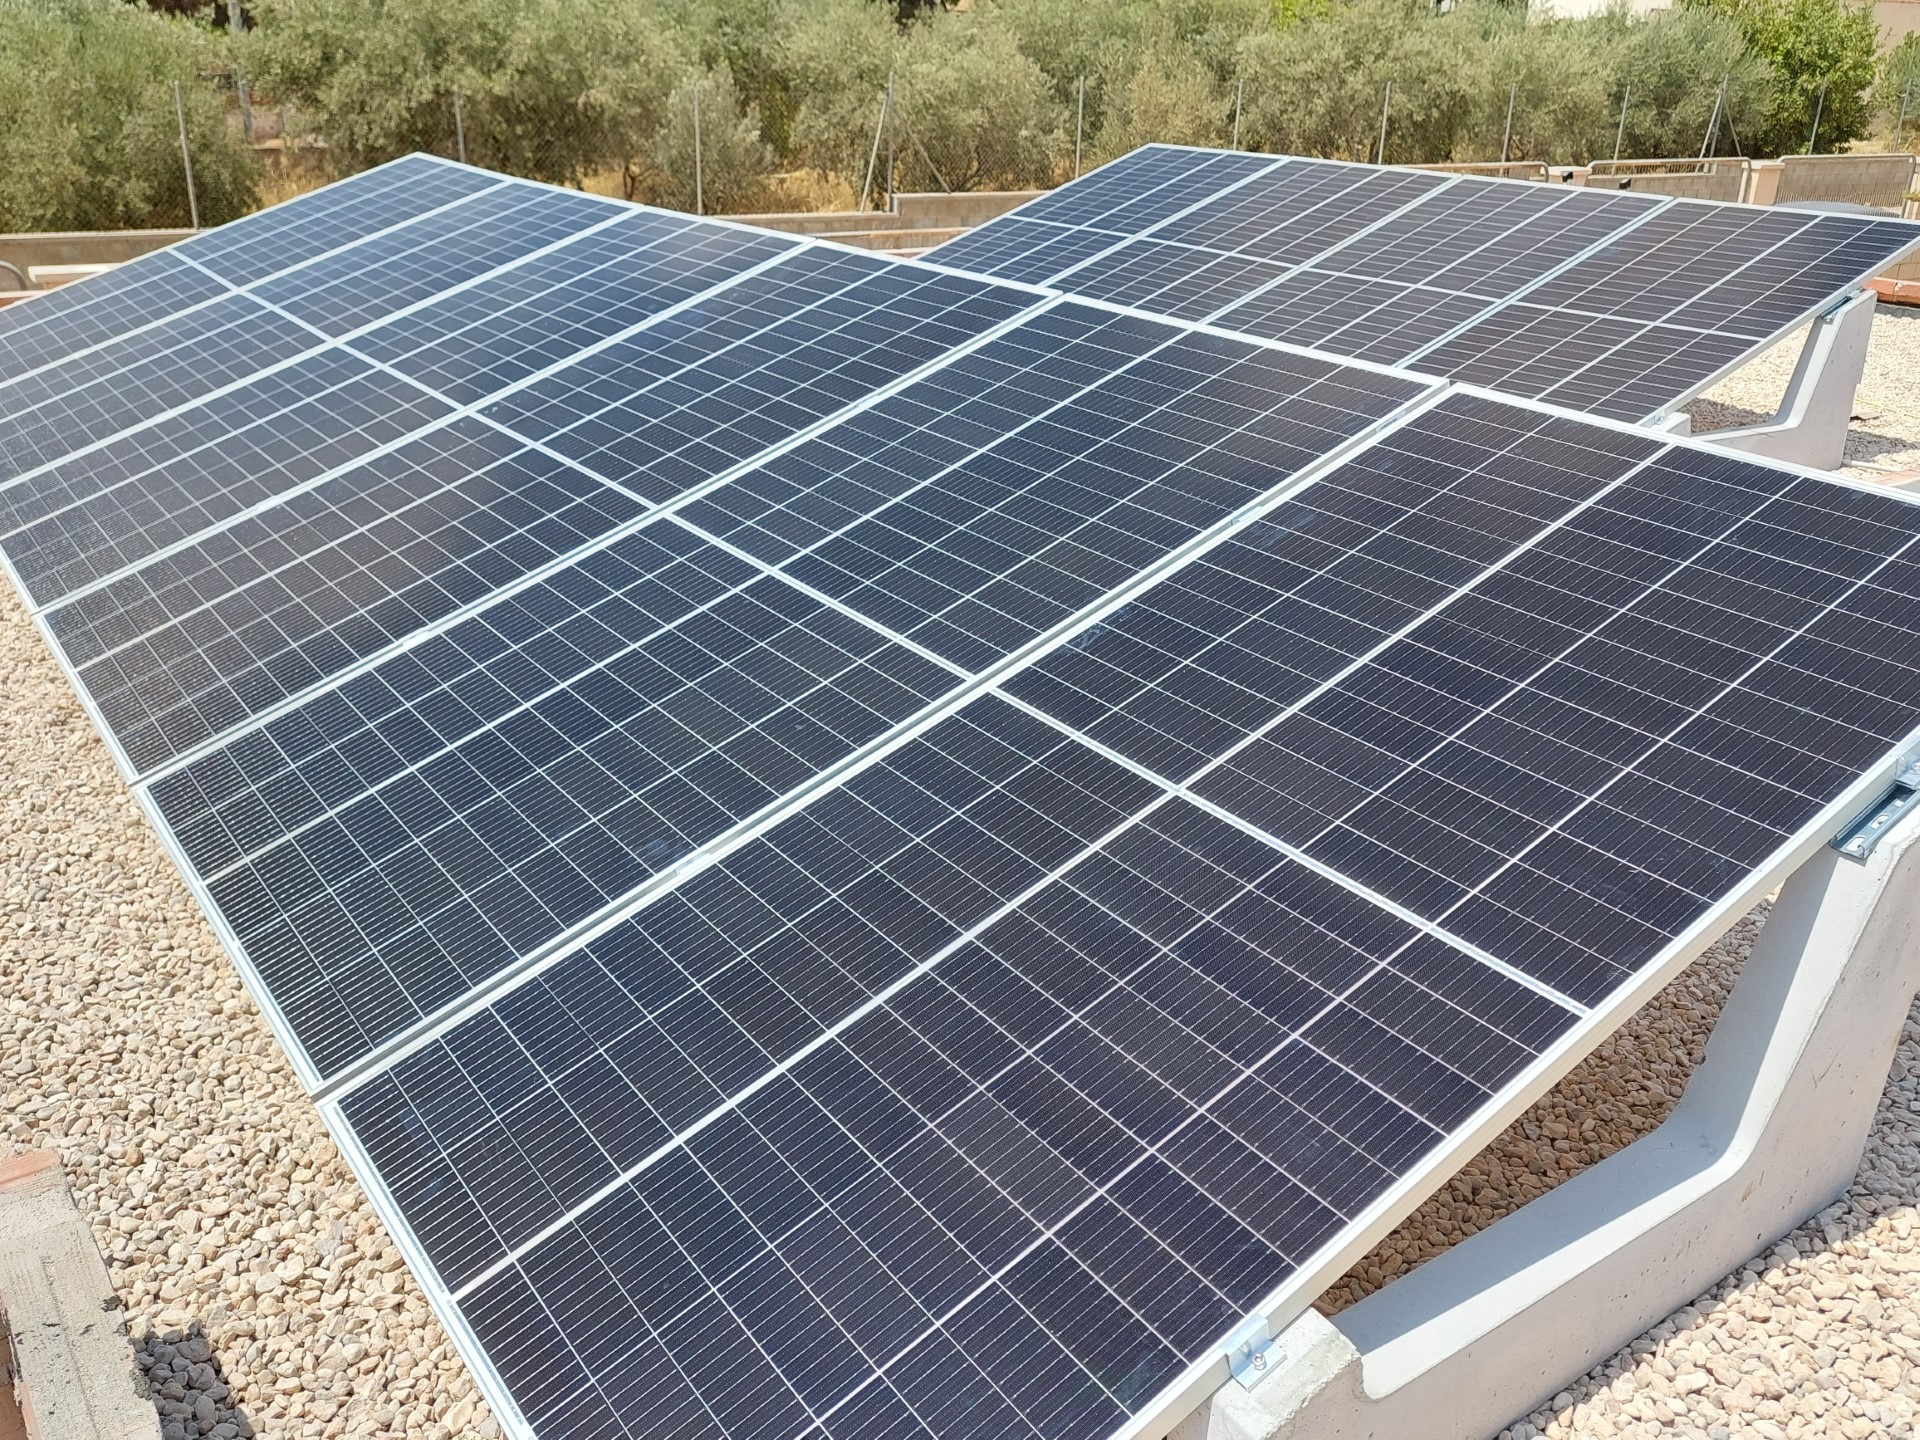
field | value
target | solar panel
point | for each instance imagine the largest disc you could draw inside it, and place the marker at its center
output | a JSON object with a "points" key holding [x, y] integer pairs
{"points": [[857, 852], [1616, 304], [984, 1092], [724, 724]]}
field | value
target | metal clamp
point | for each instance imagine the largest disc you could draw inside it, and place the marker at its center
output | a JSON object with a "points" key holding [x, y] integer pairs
{"points": [[1249, 1351], [1858, 839]]}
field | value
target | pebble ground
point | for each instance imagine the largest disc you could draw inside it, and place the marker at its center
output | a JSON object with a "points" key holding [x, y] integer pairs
{"points": [[266, 1299]]}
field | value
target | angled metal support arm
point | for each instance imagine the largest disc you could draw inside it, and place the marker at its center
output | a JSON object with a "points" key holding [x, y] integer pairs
{"points": [[1810, 427], [1769, 1132]]}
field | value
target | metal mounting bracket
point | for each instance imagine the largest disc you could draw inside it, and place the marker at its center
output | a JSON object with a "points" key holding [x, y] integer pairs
{"points": [[1247, 1351], [1810, 427], [1858, 840]]}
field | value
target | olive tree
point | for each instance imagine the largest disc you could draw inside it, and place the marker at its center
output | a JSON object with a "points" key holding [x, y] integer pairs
{"points": [[733, 160], [89, 138], [553, 89]]}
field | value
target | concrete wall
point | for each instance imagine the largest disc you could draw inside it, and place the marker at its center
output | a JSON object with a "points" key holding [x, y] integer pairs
{"points": [[75, 247], [915, 212], [73, 1369], [1881, 181], [1694, 179], [1492, 169]]}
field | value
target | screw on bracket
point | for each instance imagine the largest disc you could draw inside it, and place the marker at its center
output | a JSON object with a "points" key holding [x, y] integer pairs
{"points": [[1250, 1352]]}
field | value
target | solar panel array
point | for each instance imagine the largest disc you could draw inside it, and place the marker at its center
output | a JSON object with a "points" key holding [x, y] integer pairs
{"points": [[1608, 302], [855, 852]]}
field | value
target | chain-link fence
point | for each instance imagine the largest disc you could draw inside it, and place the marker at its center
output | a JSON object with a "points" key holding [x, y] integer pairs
{"points": [[240, 148]]}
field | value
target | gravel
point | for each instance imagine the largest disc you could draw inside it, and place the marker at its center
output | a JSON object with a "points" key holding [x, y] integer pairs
{"points": [[265, 1297], [262, 1292]]}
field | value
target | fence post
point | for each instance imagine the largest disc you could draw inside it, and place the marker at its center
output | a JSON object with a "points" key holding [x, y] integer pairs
{"points": [[873, 155], [1710, 141], [235, 24], [459, 129], [1819, 108], [186, 156], [1385, 106], [1239, 94], [1621, 134], [893, 202], [1506, 140], [1079, 124], [699, 158]]}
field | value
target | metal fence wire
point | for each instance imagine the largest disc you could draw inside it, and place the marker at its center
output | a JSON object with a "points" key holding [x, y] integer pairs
{"points": [[909, 145]]}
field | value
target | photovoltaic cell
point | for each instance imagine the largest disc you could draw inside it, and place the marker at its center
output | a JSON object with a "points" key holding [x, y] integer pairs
{"points": [[84, 519], [59, 409], [1620, 305], [477, 341], [1021, 1130], [332, 575], [1137, 1070], [1301, 210], [1565, 753], [56, 323], [1027, 251], [1414, 279], [346, 290], [663, 1010], [1674, 302], [1144, 187], [715, 384], [730, 951], [374, 727], [349, 210], [152, 287], [275, 603], [1174, 280], [986, 555], [400, 902]]}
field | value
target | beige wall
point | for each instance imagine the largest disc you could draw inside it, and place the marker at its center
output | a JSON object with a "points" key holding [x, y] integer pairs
{"points": [[83, 247], [1898, 19]]}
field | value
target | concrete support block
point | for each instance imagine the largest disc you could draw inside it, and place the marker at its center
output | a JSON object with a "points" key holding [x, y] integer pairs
{"points": [[1769, 1132], [1810, 427], [73, 1370], [1763, 181]]}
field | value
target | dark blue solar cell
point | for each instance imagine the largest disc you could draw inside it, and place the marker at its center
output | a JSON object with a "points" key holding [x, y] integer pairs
{"points": [[299, 591], [540, 312], [97, 394], [309, 225], [81, 520]]}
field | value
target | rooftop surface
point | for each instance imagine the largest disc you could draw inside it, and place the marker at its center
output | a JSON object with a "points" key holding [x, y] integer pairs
{"points": [[265, 1297]]}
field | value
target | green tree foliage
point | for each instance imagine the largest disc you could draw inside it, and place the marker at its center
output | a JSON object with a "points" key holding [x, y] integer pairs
{"points": [[1670, 73], [973, 112], [552, 89], [985, 95], [1821, 53], [88, 135], [1896, 90], [837, 54], [1317, 87], [734, 160], [1167, 93]]}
